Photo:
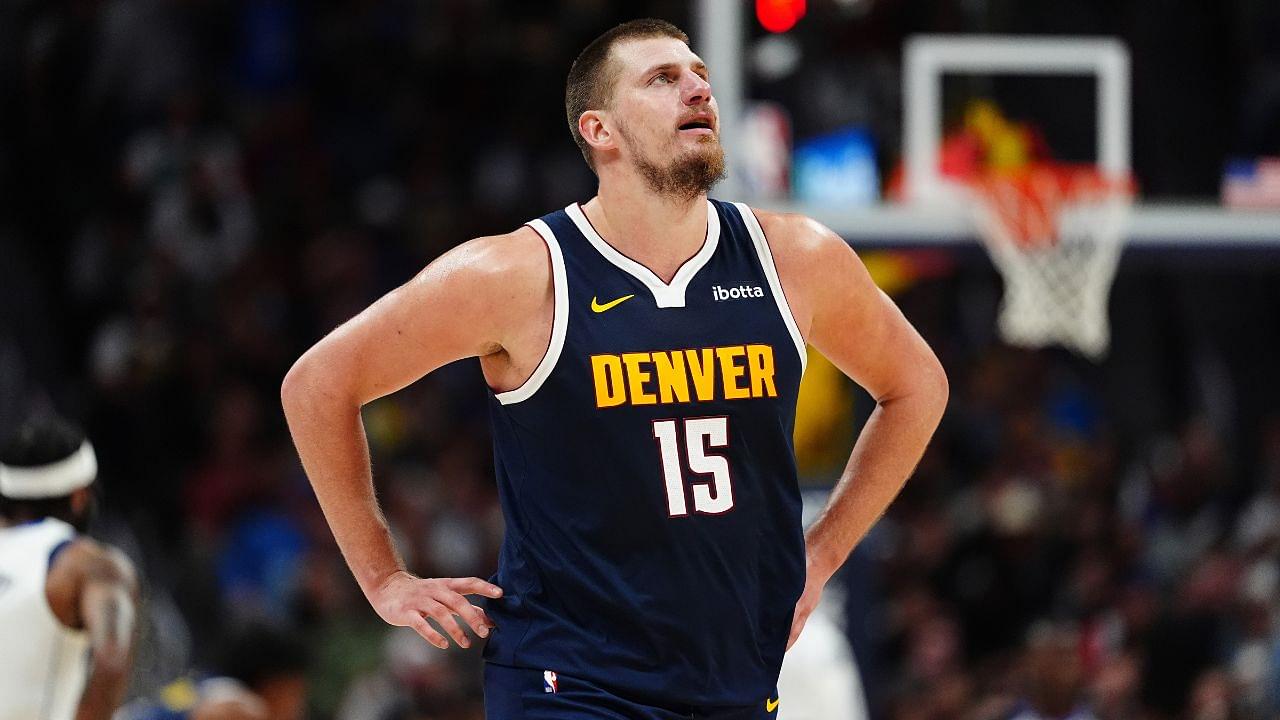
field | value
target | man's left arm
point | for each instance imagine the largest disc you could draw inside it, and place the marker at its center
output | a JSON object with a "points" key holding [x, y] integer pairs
{"points": [[849, 320]]}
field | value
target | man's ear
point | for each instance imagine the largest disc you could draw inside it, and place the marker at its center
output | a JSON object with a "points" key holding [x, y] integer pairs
{"points": [[596, 130]]}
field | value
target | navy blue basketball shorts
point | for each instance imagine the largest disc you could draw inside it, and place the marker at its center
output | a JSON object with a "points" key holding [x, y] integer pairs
{"points": [[512, 693]]}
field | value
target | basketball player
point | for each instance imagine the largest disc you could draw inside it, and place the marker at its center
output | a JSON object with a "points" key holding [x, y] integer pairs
{"points": [[263, 678], [67, 603], [644, 352]]}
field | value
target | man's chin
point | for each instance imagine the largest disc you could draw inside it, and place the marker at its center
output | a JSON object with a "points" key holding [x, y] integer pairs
{"points": [[693, 170], [704, 151], [697, 171], [711, 155]]}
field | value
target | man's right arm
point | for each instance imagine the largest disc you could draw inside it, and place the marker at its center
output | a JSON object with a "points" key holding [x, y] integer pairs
{"points": [[94, 588], [465, 304]]}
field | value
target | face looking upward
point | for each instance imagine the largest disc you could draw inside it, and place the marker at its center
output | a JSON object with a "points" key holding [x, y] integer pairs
{"points": [[662, 118]]}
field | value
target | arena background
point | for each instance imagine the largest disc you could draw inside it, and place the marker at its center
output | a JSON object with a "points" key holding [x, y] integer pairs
{"points": [[191, 193]]}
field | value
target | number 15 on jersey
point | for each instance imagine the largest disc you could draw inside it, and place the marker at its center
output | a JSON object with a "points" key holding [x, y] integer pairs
{"points": [[700, 433]]}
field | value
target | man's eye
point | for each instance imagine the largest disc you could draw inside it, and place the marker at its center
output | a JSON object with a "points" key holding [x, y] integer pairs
{"points": [[661, 78]]}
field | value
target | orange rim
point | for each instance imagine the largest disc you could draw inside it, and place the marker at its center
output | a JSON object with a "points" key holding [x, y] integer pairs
{"points": [[1028, 202]]}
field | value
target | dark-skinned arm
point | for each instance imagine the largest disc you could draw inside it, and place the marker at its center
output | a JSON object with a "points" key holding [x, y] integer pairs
{"points": [[94, 588]]}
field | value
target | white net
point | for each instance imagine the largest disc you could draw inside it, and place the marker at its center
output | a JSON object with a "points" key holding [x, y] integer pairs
{"points": [[1057, 252]]}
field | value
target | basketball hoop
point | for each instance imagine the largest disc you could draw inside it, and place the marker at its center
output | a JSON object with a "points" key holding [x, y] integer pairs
{"points": [[1055, 233]]}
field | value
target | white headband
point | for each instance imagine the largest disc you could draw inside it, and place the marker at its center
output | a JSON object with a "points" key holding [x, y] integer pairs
{"points": [[53, 480]]}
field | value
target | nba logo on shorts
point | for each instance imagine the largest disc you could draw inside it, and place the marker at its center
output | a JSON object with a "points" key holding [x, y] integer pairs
{"points": [[549, 682]]}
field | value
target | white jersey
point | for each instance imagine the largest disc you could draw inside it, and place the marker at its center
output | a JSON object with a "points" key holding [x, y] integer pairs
{"points": [[43, 663]]}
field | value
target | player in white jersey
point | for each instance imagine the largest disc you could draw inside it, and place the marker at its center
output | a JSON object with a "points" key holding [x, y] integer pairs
{"points": [[67, 603]]}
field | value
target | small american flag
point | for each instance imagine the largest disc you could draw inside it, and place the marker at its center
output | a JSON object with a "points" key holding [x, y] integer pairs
{"points": [[1252, 183]]}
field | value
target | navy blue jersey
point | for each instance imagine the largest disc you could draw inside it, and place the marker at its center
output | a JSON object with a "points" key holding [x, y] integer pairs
{"points": [[647, 474]]}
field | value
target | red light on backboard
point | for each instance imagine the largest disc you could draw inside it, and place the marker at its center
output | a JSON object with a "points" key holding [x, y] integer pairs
{"points": [[779, 15]]}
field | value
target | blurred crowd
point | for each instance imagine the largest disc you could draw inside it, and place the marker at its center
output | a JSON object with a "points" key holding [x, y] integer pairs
{"points": [[193, 192], [1044, 563]]}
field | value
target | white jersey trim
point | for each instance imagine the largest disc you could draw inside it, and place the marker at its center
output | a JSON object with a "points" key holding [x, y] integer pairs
{"points": [[775, 284], [666, 295], [559, 321]]}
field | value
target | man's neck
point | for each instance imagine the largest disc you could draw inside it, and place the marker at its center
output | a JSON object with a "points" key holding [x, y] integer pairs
{"points": [[658, 231]]}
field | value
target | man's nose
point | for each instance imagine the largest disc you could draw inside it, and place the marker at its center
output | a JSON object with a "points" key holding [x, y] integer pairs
{"points": [[695, 89]]}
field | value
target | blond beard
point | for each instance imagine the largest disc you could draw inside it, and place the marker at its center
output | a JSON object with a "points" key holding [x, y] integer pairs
{"points": [[685, 177]]}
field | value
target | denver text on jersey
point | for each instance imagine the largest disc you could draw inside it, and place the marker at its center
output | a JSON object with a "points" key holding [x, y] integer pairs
{"points": [[734, 372]]}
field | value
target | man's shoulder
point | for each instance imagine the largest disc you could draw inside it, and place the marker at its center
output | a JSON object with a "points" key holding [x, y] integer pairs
{"points": [[810, 259], [516, 256], [80, 563], [802, 248], [85, 559], [795, 233]]}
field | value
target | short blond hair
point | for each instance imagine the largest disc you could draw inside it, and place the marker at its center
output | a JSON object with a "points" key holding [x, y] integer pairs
{"points": [[591, 80]]}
